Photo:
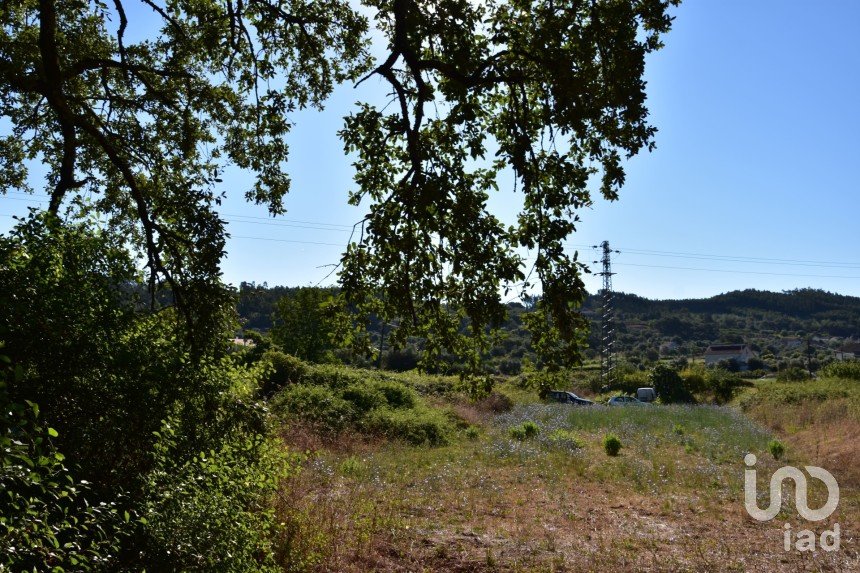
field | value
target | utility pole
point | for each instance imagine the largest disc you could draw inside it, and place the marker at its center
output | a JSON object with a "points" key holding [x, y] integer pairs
{"points": [[607, 324]]}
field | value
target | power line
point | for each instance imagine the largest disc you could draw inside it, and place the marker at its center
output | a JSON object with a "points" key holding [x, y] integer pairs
{"points": [[289, 225], [738, 272], [339, 227], [22, 199], [731, 258], [288, 241], [740, 259]]}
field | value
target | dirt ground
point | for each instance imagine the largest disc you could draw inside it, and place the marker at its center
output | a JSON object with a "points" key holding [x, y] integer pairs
{"points": [[516, 519]]}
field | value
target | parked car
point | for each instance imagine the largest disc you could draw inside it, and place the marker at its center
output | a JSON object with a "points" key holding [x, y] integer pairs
{"points": [[568, 398], [625, 401], [646, 394]]}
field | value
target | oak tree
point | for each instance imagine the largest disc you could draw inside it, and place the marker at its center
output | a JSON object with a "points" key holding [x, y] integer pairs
{"points": [[548, 93]]}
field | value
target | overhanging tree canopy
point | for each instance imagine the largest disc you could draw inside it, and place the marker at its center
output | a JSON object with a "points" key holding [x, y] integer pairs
{"points": [[550, 90]]}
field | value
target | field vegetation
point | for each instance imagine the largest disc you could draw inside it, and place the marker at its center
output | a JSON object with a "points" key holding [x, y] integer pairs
{"points": [[528, 486]]}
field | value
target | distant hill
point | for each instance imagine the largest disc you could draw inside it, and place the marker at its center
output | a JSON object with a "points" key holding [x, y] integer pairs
{"points": [[777, 324], [784, 327]]}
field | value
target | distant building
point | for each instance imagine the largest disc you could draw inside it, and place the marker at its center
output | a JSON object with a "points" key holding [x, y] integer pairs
{"points": [[850, 351], [716, 353], [243, 342]]}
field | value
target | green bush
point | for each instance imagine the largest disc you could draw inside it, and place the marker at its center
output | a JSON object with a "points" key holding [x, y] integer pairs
{"points": [[473, 432], [611, 445], [631, 380], [524, 431], [723, 384], [792, 374], [531, 429], [285, 369], [416, 427], [517, 432], [397, 395], [211, 512], [669, 385], [46, 520], [849, 370], [776, 449], [562, 436], [334, 377], [364, 396], [695, 378], [318, 405]]}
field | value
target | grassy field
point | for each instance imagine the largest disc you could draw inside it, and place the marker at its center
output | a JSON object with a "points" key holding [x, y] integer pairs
{"points": [[819, 419], [672, 500]]}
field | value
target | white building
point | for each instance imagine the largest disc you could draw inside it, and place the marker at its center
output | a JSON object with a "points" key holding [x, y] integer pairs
{"points": [[716, 353], [850, 351]]}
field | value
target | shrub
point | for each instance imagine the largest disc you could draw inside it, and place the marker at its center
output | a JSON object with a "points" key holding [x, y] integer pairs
{"points": [[695, 378], [509, 367], [475, 386], [517, 432], [843, 369], [776, 449], [473, 432], [524, 431], [669, 385], [397, 395], [416, 427], [318, 405], [632, 380], [365, 397], [496, 403], [678, 429], [210, 512], [401, 360], [792, 374], [611, 445], [334, 377], [531, 429], [352, 466], [562, 436], [723, 384], [46, 520], [285, 369]]}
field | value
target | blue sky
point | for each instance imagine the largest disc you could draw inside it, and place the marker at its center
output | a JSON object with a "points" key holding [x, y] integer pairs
{"points": [[752, 184]]}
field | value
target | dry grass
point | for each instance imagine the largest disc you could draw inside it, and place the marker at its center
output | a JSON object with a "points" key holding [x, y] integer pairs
{"points": [[499, 505], [820, 420]]}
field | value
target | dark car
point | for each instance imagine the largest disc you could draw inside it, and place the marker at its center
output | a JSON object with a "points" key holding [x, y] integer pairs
{"points": [[568, 398], [625, 401]]}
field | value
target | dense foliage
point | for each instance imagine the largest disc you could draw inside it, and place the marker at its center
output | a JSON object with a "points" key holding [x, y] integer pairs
{"points": [[332, 400], [552, 93], [111, 300], [133, 405], [47, 521], [302, 325], [776, 325]]}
